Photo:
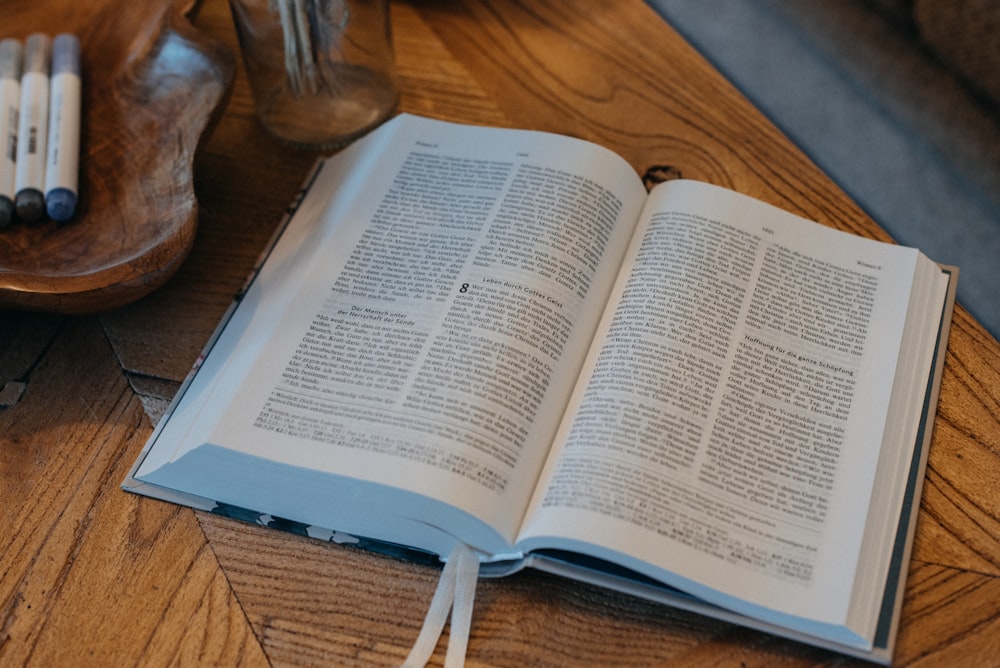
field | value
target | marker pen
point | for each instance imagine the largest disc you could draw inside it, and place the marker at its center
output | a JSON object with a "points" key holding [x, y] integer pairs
{"points": [[32, 129], [62, 163], [10, 96]]}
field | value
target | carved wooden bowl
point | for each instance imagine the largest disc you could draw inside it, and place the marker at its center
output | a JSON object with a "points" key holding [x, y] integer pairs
{"points": [[151, 88]]}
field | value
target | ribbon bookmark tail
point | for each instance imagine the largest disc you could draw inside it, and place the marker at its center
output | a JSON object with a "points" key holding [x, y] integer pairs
{"points": [[456, 593]]}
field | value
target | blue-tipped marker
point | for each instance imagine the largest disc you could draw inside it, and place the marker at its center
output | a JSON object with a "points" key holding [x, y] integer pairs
{"points": [[62, 163], [10, 98]]}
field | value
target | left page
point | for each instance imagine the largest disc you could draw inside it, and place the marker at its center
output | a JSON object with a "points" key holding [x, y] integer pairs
{"points": [[401, 362]]}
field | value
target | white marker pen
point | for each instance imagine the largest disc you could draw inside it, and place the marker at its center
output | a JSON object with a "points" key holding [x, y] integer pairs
{"points": [[62, 163], [32, 129], [10, 97]]}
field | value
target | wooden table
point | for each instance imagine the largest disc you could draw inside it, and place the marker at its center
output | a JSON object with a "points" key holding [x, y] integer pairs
{"points": [[91, 575]]}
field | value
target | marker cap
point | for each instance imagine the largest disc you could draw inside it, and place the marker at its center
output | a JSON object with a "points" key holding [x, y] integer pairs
{"points": [[10, 59], [60, 204], [30, 205], [36, 53], [66, 55]]}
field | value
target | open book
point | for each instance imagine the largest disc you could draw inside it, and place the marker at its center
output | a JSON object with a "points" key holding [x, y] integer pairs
{"points": [[497, 339]]}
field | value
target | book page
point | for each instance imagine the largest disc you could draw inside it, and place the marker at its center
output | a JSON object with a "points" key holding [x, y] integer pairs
{"points": [[726, 434], [422, 321]]}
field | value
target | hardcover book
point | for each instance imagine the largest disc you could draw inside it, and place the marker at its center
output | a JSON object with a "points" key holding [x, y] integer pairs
{"points": [[497, 340]]}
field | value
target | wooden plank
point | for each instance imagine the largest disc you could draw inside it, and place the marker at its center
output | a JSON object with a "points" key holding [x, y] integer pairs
{"points": [[19, 354], [960, 519], [92, 575], [951, 618]]}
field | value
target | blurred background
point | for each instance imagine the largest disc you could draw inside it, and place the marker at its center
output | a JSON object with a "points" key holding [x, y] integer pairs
{"points": [[897, 100]]}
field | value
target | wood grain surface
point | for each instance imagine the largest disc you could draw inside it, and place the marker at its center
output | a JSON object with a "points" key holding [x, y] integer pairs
{"points": [[91, 575]]}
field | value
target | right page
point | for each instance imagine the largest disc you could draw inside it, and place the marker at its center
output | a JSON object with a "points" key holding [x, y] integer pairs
{"points": [[744, 424]]}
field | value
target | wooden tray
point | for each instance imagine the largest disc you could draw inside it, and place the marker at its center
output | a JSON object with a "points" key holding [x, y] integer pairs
{"points": [[151, 87]]}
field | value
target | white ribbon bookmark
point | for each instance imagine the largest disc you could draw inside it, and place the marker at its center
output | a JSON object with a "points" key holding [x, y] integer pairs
{"points": [[456, 592]]}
